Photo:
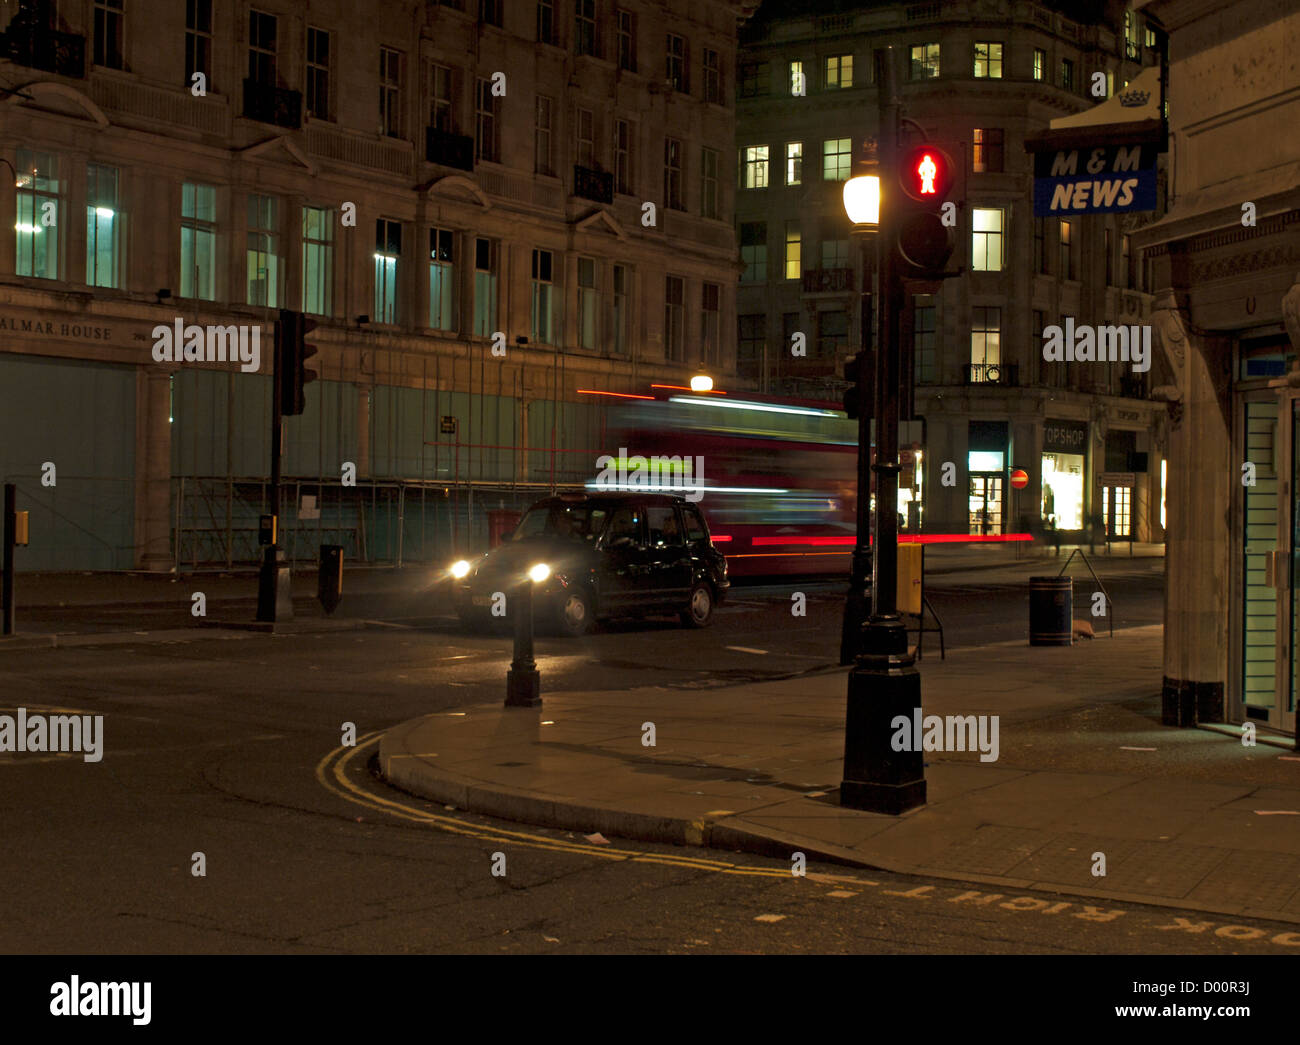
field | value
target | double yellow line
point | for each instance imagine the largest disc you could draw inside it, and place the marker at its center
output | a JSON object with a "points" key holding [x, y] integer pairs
{"points": [[331, 772]]}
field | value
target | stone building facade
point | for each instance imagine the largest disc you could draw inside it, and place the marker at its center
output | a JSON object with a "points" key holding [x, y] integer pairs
{"points": [[425, 180], [1224, 263], [980, 77]]}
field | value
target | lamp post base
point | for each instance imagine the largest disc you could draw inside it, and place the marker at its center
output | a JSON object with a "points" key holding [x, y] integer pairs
{"points": [[884, 686], [523, 688], [891, 799]]}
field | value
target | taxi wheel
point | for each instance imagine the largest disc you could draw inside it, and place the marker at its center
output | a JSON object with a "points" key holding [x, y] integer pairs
{"points": [[699, 610], [574, 614]]}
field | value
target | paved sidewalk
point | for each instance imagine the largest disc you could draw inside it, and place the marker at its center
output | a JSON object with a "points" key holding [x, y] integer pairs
{"points": [[1186, 818]]}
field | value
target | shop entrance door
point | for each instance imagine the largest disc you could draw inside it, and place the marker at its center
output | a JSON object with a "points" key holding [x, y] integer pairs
{"points": [[1116, 509], [1270, 568], [985, 504]]}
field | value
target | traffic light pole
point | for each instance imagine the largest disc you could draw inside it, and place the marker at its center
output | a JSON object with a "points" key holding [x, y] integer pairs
{"points": [[857, 603], [274, 596], [884, 683]]}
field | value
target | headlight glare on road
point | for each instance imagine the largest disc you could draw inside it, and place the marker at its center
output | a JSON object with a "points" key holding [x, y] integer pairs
{"points": [[460, 569], [539, 572]]}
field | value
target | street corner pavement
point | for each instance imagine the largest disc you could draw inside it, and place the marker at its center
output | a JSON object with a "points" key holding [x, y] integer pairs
{"points": [[1087, 794]]}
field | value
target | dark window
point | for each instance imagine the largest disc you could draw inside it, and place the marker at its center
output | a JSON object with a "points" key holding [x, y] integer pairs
{"points": [[673, 174], [675, 319], [753, 80], [1040, 251], [489, 12], [622, 156], [584, 28], [709, 183], [318, 73], [488, 141], [441, 107], [198, 41], [261, 48], [676, 64], [627, 41], [546, 21], [712, 77], [390, 92], [987, 155], [109, 30], [710, 323], [832, 332], [923, 338], [750, 343]]}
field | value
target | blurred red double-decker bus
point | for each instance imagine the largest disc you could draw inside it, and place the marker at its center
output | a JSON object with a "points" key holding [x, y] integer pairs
{"points": [[776, 479]]}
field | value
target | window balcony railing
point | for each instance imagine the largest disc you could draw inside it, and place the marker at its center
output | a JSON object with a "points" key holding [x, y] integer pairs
{"points": [[48, 50], [1007, 374], [827, 281], [592, 184], [450, 150], [275, 105]]}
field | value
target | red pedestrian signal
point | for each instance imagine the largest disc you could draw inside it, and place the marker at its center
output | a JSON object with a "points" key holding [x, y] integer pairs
{"points": [[926, 210], [926, 173]]}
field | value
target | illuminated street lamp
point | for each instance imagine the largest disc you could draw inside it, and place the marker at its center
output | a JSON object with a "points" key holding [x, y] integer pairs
{"points": [[862, 201], [523, 682], [701, 383]]}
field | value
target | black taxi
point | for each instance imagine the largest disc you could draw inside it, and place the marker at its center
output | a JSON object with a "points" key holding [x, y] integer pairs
{"points": [[602, 555]]}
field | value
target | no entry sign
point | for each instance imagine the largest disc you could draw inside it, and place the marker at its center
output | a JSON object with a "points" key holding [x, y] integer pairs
{"points": [[1019, 478]]}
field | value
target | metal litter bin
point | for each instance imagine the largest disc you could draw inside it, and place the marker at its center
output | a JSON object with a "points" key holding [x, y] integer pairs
{"points": [[1051, 611]]}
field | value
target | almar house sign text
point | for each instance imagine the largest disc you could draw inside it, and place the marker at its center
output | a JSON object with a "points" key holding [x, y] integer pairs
{"points": [[49, 328]]}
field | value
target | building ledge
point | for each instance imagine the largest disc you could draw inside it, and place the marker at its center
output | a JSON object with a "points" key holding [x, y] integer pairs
{"points": [[1273, 191]]}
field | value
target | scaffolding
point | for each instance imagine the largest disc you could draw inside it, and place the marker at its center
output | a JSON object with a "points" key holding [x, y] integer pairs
{"points": [[435, 441], [379, 522]]}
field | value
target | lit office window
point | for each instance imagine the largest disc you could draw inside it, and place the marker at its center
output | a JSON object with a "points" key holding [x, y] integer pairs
{"points": [[103, 227], [755, 166], [318, 261], [988, 61], [263, 253], [388, 251], [198, 242], [986, 239], [485, 287], [837, 159], [442, 279]]}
